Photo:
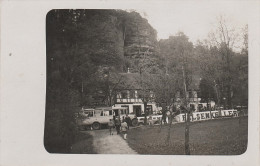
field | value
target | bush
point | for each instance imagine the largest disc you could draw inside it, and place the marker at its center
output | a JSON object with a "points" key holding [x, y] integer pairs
{"points": [[60, 130]]}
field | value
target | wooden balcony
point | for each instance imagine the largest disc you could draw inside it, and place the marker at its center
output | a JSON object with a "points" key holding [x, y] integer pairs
{"points": [[130, 100]]}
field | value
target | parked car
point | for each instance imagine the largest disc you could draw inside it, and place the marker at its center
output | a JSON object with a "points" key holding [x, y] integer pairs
{"points": [[151, 119]]}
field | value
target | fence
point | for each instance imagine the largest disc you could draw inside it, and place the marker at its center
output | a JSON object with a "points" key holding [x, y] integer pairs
{"points": [[199, 116]]}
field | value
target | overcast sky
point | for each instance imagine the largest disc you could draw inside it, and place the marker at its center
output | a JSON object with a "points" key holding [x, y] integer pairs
{"points": [[195, 19]]}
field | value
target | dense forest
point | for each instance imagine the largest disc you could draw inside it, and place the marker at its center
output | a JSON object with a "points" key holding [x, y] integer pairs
{"points": [[87, 49]]}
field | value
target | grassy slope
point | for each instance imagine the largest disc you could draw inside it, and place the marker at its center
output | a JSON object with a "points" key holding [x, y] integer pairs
{"points": [[215, 137]]}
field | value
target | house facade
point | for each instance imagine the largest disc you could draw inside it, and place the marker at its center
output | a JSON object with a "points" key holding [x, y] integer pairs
{"points": [[131, 95], [193, 96], [194, 101], [133, 101]]}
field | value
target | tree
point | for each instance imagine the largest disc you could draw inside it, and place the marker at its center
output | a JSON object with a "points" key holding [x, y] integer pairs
{"points": [[61, 97], [244, 50], [207, 91], [79, 43], [179, 68], [225, 38]]}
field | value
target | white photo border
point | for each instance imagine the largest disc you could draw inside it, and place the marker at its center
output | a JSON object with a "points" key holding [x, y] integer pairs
{"points": [[23, 88]]}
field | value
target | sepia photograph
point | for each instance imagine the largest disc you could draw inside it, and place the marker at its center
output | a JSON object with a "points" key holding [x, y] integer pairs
{"points": [[129, 83], [147, 81]]}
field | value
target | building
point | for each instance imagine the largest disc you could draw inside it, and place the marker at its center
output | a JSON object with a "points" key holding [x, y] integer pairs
{"points": [[131, 94], [193, 97]]}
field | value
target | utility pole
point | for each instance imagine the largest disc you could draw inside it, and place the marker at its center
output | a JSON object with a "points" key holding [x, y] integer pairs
{"points": [[143, 88], [82, 91], [143, 96], [187, 148]]}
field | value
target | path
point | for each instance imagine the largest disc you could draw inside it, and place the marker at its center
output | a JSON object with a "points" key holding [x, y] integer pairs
{"points": [[104, 143]]}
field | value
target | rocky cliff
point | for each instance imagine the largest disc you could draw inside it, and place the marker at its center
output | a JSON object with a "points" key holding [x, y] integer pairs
{"points": [[116, 35]]}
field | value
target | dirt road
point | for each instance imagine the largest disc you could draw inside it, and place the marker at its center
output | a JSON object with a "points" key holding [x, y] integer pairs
{"points": [[104, 143]]}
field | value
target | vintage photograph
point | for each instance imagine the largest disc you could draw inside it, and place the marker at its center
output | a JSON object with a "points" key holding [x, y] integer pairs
{"points": [[147, 81]]}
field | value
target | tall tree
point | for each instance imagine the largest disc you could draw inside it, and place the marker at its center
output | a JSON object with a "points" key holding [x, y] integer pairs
{"points": [[179, 66], [225, 38]]}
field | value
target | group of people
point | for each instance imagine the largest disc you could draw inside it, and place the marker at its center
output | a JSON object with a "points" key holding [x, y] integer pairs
{"points": [[120, 127]]}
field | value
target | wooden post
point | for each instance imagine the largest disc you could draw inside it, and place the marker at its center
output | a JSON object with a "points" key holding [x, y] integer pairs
{"points": [[170, 125], [82, 91], [187, 120]]}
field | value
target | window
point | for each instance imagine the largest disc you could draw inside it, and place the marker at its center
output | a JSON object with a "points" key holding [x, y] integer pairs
{"points": [[119, 95], [90, 114], [126, 106], [132, 94], [149, 109], [116, 112], [128, 94], [140, 96], [122, 112], [124, 94], [135, 94]]}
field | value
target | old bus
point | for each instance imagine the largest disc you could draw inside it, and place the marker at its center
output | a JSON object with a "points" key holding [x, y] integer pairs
{"points": [[100, 116]]}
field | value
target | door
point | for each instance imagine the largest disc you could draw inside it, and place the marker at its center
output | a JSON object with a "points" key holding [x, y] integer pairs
{"points": [[137, 110], [116, 112], [149, 109]]}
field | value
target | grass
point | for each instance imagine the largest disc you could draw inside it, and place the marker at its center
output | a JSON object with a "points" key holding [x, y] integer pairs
{"points": [[214, 137]]}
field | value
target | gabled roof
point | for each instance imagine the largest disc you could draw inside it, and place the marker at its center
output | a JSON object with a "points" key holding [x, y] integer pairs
{"points": [[195, 83], [130, 81], [133, 81]]}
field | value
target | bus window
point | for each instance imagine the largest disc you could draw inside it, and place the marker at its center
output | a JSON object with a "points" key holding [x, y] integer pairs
{"points": [[105, 113], [90, 114]]}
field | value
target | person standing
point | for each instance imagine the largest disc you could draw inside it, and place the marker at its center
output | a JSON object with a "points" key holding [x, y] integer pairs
{"points": [[164, 116], [124, 129], [111, 125], [168, 114], [118, 124], [128, 121]]}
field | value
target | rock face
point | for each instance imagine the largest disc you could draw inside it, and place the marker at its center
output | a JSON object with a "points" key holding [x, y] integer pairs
{"points": [[140, 37], [102, 37], [118, 36], [140, 43]]}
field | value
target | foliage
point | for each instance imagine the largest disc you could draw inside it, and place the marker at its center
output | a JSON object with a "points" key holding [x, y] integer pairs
{"points": [[85, 52], [226, 39], [87, 49]]}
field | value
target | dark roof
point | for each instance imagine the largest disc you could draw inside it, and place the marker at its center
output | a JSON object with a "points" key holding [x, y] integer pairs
{"points": [[195, 83], [130, 81], [133, 81]]}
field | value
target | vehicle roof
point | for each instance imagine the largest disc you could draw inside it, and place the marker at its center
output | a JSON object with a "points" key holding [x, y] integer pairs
{"points": [[103, 108], [88, 109], [119, 108]]}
